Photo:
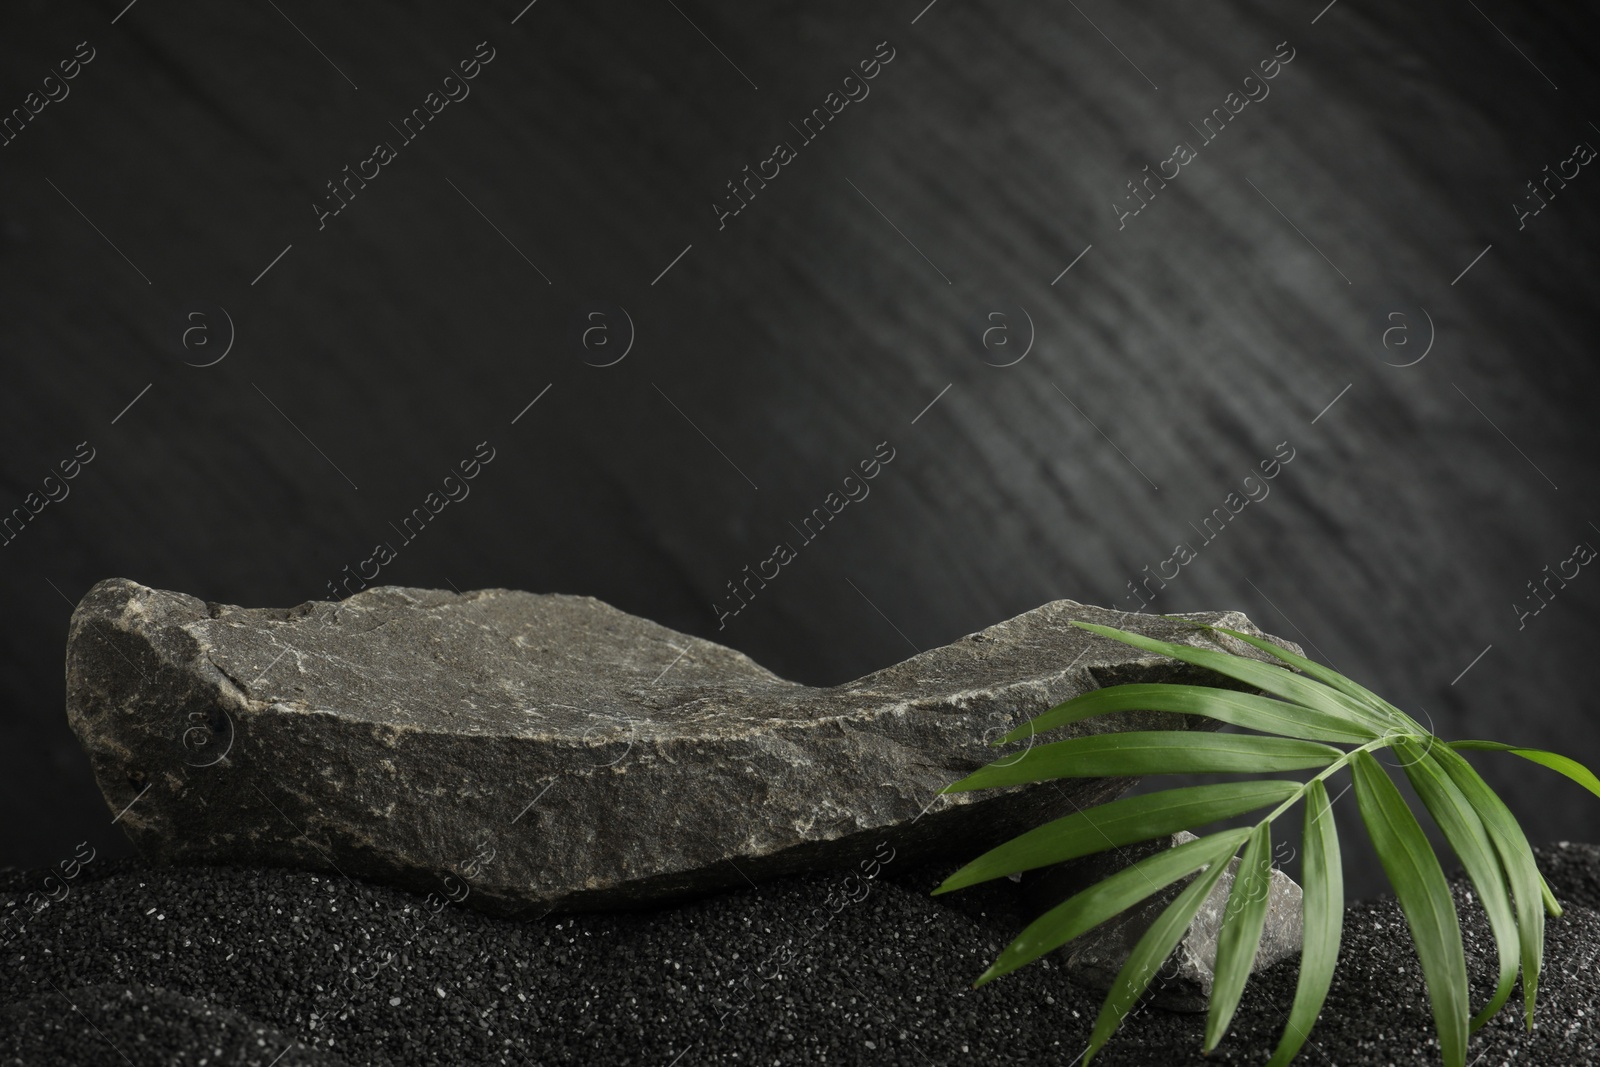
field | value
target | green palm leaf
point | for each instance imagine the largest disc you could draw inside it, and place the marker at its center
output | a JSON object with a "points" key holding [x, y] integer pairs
{"points": [[1295, 715], [1554, 760], [1109, 898], [1322, 903], [1503, 818], [1243, 919], [1120, 822], [1326, 675], [1467, 836], [1151, 952], [1263, 676], [1527, 885], [1139, 752], [1424, 896], [1230, 706]]}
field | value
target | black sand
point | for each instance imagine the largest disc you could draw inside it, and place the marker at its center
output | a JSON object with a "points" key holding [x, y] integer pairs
{"points": [[227, 966]]}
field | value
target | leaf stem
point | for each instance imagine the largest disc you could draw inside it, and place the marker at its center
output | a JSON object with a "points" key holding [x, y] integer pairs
{"points": [[1386, 741]]}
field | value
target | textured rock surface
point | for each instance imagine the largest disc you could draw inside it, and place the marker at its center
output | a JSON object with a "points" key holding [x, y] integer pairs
{"points": [[551, 752], [1184, 983]]}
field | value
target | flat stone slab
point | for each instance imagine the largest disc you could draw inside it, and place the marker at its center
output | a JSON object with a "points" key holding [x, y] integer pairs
{"points": [[529, 753]]}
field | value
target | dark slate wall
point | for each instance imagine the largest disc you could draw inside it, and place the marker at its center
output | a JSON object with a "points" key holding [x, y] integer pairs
{"points": [[1188, 344]]}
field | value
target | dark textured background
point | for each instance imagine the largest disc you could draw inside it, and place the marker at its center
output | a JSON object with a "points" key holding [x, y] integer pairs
{"points": [[379, 351]]}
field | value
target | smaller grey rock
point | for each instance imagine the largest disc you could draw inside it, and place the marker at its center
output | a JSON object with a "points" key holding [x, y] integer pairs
{"points": [[1184, 982]]}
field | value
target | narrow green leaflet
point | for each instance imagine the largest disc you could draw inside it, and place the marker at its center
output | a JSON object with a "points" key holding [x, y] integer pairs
{"points": [[1245, 710], [1140, 752], [1243, 919], [1500, 815], [1554, 760], [1424, 896], [1325, 675], [1121, 822], [1263, 676], [1322, 904], [1107, 899], [1148, 955], [1465, 831], [1527, 885]]}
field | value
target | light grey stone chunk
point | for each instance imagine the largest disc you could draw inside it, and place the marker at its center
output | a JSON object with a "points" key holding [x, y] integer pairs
{"points": [[1185, 980], [543, 752]]}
